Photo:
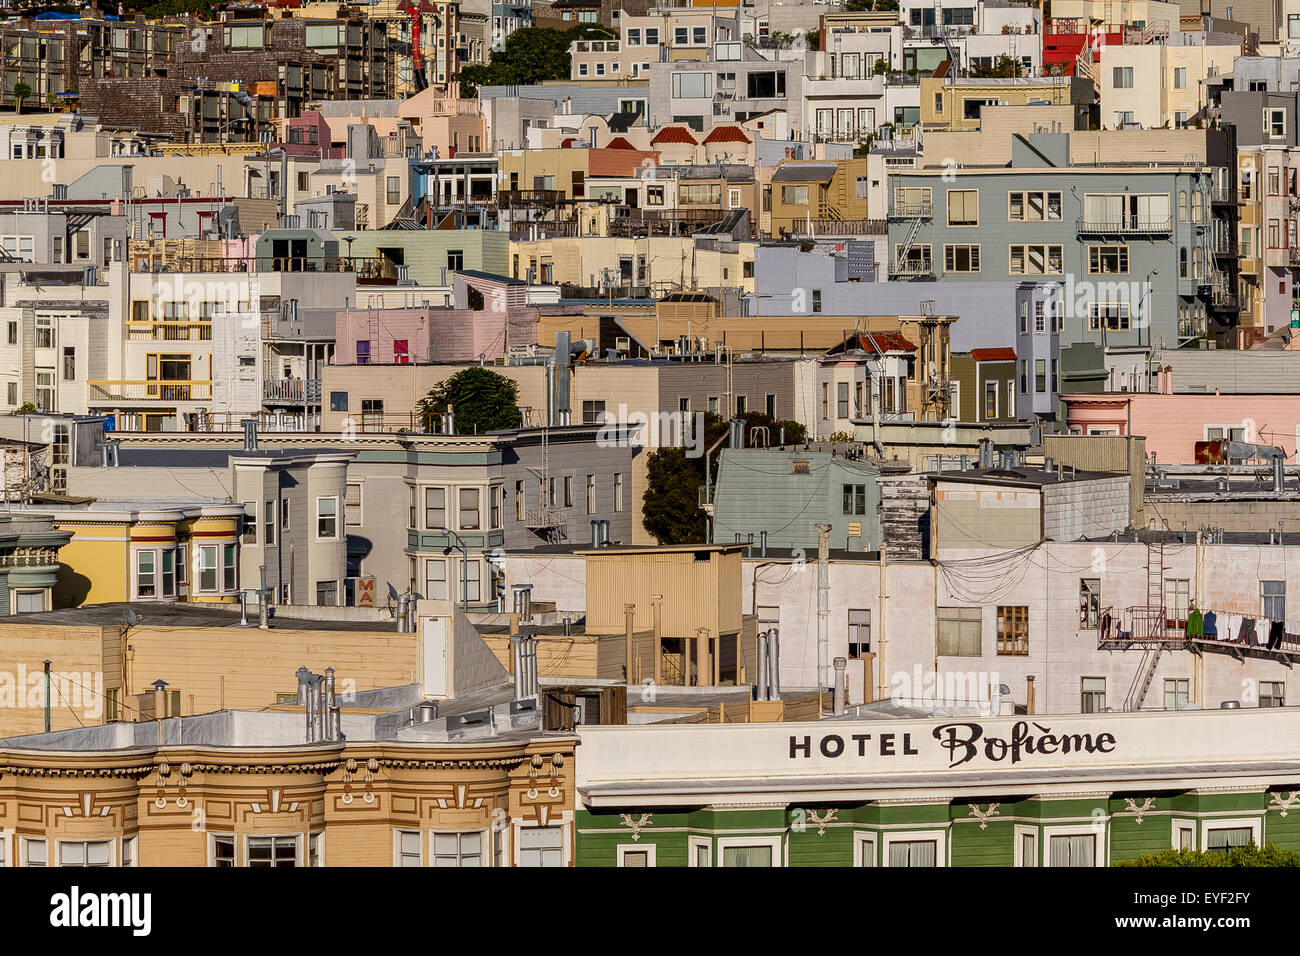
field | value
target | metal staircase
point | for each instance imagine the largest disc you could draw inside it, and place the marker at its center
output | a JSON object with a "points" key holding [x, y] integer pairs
{"points": [[1149, 623], [1146, 673]]}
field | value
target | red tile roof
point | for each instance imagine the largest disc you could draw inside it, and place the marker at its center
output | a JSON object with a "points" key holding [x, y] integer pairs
{"points": [[887, 342], [726, 134], [674, 134], [618, 142], [993, 355]]}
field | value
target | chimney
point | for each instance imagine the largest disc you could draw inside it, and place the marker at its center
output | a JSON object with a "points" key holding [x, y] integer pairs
{"points": [[263, 603], [451, 420], [837, 696], [250, 433], [1279, 474], [762, 685], [656, 609], [524, 660], [774, 663], [629, 652], [403, 613], [762, 544], [604, 532], [159, 699], [523, 601], [333, 725], [1029, 694]]}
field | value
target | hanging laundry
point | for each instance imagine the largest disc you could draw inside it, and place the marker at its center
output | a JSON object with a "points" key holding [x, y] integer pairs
{"points": [[1233, 631], [1275, 632], [1262, 626], [1210, 625], [1195, 623]]}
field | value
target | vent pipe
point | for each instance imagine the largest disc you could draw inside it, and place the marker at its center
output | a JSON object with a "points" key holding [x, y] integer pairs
{"points": [[333, 724], [762, 544], [523, 601], [837, 695], [1279, 474], [774, 663], [762, 680], [524, 661]]}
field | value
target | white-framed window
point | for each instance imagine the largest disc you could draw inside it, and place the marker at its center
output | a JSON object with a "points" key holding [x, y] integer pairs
{"points": [[1035, 260], [699, 851], [469, 511], [407, 846], [208, 568], [85, 852], [435, 509], [435, 579], [273, 851], [1220, 835], [541, 846], [130, 852], [6, 842], [33, 851], [1113, 315], [749, 851], [146, 574], [636, 854], [915, 848], [458, 848], [864, 849], [327, 518], [1275, 123], [1073, 846], [316, 848], [1183, 836], [1026, 845], [221, 849]]}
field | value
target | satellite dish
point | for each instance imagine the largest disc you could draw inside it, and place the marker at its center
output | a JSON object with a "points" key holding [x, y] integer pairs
{"points": [[392, 592], [130, 617]]}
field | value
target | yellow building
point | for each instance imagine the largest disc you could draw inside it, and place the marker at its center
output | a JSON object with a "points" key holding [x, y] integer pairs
{"points": [[661, 263], [163, 551], [828, 192], [954, 103]]}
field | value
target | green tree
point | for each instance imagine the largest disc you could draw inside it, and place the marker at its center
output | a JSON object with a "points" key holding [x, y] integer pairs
{"points": [[481, 400], [1267, 855], [21, 92], [529, 56], [1004, 66], [671, 508]]}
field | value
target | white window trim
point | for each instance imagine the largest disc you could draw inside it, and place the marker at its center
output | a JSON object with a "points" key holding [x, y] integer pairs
{"points": [[865, 849], [300, 845], [1180, 823], [647, 848], [564, 821], [397, 844], [134, 842], [25, 842], [319, 836], [693, 844], [114, 859], [156, 574], [912, 836], [1099, 844], [738, 841], [1256, 825], [1019, 831], [212, 847], [218, 566], [337, 518], [484, 843], [9, 843]]}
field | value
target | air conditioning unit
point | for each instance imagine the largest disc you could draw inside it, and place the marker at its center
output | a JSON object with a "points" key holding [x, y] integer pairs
{"points": [[623, 343]]}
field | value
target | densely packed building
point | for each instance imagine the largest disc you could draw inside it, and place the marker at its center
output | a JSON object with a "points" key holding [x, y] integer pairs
{"points": [[762, 434]]}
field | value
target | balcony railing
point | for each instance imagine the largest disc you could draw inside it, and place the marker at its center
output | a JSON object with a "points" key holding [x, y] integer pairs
{"points": [[169, 331], [293, 390], [913, 267], [838, 227], [911, 209], [110, 391], [1293, 255], [1125, 225]]}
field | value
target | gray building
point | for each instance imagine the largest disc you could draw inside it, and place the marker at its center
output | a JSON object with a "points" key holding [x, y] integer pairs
{"points": [[788, 492], [1129, 245], [703, 93]]}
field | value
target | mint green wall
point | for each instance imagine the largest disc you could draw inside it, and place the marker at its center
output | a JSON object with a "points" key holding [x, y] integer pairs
{"points": [[820, 835]]}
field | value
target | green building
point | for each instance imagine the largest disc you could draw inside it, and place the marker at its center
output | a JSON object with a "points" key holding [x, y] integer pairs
{"points": [[1052, 790]]}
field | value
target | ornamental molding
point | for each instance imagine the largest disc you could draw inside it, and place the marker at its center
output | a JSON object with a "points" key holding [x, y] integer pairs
{"points": [[636, 825], [983, 816], [1131, 804]]}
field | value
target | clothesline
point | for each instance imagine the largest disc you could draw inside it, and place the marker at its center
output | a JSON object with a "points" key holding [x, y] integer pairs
{"points": [[1222, 626]]}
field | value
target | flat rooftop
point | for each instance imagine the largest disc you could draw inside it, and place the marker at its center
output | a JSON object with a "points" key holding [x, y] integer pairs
{"points": [[185, 615]]}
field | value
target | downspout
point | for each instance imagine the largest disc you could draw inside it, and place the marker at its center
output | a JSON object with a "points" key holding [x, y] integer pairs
{"points": [[883, 603]]}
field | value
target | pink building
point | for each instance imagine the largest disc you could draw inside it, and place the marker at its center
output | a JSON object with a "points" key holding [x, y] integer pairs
{"points": [[1173, 423], [489, 315]]}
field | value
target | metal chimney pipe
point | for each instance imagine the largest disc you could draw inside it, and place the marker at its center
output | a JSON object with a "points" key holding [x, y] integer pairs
{"points": [[328, 726], [403, 612], [595, 534], [604, 532], [263, 612], [761, 680], [1279, 480], [774, 663], [762, 544], [823, 604], [629, 652], [837, 696], [516, 664]]}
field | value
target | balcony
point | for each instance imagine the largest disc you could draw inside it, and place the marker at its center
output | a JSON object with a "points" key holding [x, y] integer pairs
{"points": [[844, 87], [168, 331], [912, 268], [911, 209], [138, 392], [1293, 255], [291, 391], [837, 227], [1126, 226]]}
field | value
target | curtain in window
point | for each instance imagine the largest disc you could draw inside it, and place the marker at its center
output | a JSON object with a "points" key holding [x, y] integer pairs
{"points": [[916, 853], [1226, 839], [1073, 850], [747, 856]]}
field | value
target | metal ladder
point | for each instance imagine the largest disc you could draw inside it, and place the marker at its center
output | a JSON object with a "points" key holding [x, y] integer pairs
{"points": [[1146, 673]]}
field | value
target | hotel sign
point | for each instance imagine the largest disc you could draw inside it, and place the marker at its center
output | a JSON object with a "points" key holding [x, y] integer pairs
{"points": [[961, 742]]}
